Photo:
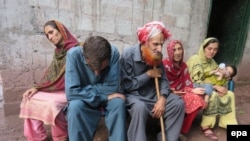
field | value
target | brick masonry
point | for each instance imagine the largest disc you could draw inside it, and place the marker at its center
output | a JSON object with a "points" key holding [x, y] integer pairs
{"points": [[25, 52]]}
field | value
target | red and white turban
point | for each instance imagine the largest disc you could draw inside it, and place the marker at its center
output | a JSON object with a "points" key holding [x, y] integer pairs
{"points": [[151, 29]]}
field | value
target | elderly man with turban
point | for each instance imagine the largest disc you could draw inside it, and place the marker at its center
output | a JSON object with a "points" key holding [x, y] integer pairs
{"points": [[140, 65]]}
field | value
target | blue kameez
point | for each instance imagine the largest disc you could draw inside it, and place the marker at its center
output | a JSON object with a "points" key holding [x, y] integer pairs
{"points": [[87, 93]]}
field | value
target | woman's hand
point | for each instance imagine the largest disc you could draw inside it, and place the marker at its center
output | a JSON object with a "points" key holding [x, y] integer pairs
{"points": [[221, 90], [199, 91], [159, 107], [180, 93], [29, 93]]}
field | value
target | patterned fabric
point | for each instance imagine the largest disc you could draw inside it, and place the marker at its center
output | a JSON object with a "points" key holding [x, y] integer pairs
{"points": [[50, 99], [210, 120], [218, 105], [179, 79], [53, 78], [151, 29], [213, 79], [199, 66], [177, 73]]}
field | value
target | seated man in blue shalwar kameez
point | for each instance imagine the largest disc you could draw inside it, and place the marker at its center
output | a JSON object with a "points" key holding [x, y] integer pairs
{"points": [[92, 82]]}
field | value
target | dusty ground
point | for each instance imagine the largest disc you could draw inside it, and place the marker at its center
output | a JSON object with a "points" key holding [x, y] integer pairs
{"points": [[11, 127]]}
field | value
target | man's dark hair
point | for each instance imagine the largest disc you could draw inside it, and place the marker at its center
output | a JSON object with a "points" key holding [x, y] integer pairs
{"points": [[96, 49]]}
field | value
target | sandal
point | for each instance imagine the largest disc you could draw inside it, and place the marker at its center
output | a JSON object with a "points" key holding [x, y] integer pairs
{"points": [[209, 134]]}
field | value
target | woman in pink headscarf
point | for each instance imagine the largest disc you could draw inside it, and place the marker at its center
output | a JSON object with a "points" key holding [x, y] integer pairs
{"points": [[181, 84], [44, 102], [137, 80]]}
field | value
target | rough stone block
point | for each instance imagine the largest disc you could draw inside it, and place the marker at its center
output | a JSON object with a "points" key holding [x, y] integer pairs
{"points": [[13, 94], [11, 108]]}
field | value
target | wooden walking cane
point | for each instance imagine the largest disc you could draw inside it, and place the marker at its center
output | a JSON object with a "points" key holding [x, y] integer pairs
{"points": [[161, 118], [154, 60]]}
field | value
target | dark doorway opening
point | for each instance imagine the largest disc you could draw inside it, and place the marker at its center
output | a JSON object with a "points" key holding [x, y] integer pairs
{"points": [[229, 22]]}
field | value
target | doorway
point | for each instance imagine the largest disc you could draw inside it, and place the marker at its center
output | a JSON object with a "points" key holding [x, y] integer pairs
{"points": [[229, 22]]}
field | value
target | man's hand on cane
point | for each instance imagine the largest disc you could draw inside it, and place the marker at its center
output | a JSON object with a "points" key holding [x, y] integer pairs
{"points": [[154, 73], [159, 107]]}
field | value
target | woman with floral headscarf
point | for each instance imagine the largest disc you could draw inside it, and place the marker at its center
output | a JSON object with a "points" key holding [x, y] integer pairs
{"points": [[181, 84], [222, 101], [43, 103]]}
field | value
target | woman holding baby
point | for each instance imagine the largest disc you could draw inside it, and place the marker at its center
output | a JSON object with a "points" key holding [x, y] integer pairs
{"points": [[222, 101]]}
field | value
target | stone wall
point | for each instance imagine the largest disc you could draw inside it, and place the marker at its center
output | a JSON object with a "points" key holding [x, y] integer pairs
{"points": [[25, 52]]}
